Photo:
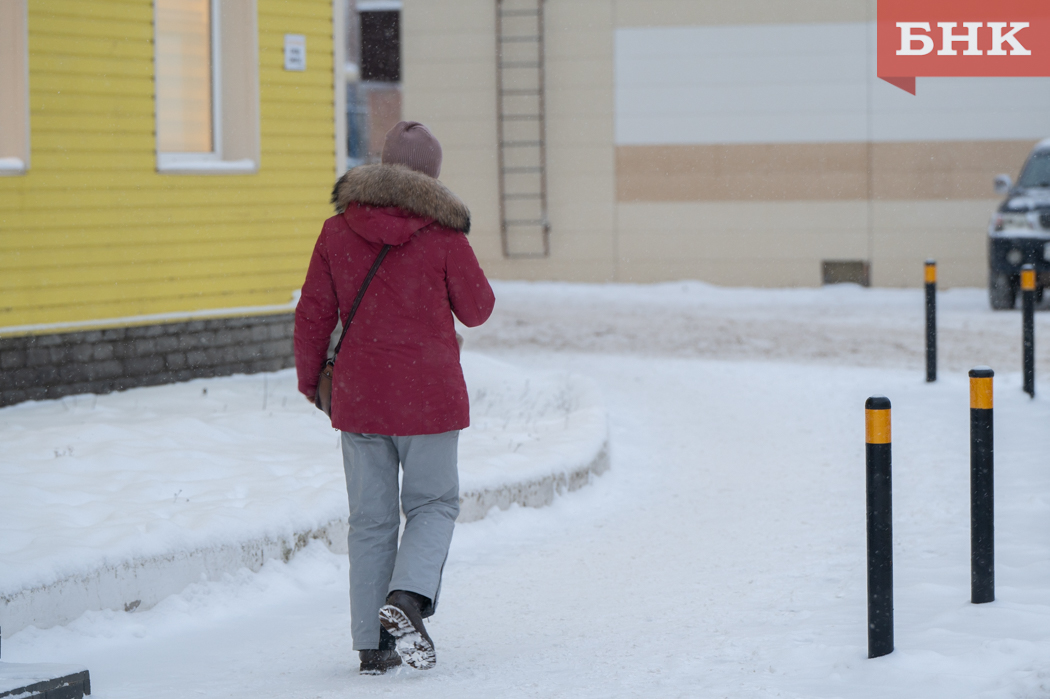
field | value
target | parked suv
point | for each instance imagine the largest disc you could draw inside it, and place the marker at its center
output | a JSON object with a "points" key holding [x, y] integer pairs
{"points": [[1019, 231]]}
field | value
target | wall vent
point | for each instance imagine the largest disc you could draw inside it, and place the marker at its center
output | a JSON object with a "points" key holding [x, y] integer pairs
{"points": [[846, 272]]}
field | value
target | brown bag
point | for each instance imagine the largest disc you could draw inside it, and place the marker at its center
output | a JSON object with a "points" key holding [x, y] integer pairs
{"points": [[323, 394]]}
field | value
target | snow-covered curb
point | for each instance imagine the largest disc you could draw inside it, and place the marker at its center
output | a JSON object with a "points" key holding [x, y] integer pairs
{"points": [[549, 430], [43, 680], [141, 583], [533, 436], [475, 504]]}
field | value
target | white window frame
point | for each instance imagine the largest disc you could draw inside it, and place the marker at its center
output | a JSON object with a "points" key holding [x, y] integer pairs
{"points": [[379, 5], [225, 158], [14, 87]]}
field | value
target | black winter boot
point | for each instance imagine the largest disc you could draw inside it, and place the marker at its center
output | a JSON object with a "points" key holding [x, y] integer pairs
{"points": [[402, 617], [377, 662]]}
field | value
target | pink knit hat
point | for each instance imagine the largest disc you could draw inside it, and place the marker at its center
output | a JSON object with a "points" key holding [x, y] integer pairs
{"points": [[411, 144]]}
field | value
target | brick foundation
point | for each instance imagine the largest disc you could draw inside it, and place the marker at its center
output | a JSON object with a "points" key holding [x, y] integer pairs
{"points": [[38, 367]]}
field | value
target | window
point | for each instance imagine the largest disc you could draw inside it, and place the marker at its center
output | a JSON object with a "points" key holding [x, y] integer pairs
{"points": [[207, 86], [380, 43], [185, 111], [1036, 171], [374, 93], [14, 88]]}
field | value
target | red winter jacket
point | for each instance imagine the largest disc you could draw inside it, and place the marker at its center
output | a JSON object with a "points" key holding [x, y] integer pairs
{"points": [[398, 372]]}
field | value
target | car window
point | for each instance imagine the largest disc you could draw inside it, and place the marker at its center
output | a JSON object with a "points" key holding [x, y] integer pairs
{"points": [[1036, 171]]}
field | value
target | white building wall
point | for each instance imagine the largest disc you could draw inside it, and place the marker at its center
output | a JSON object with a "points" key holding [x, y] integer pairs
{"points": [[801, 83], [736, 143]]}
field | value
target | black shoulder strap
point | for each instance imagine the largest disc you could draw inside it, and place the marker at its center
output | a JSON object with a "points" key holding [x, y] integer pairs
{"points": [[361, 295]]}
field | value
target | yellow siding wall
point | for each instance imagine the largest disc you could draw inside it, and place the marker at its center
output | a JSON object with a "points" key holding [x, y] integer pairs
{"points": [[93, 231]]}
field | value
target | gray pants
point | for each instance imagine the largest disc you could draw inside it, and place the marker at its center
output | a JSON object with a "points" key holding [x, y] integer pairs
{"points": [[430, 500]]}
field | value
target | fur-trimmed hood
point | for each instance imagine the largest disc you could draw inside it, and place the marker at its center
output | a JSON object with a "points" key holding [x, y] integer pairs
{"points": [[383, 185]]}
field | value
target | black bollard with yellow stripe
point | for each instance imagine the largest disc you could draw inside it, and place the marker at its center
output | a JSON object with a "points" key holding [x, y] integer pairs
{"points": [[982, 492], [880, 526], [1028, 327], [931, 320]]}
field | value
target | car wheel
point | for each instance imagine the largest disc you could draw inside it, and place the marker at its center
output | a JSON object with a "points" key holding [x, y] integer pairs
{"points": [[1001, 292]]}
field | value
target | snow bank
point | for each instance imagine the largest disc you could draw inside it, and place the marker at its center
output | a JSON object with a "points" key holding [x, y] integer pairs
{"points": [[42, 677], [114, 502], [549, 430]]}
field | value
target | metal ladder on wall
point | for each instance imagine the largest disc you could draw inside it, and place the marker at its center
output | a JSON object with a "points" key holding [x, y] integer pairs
{"points": [[524, 228]]}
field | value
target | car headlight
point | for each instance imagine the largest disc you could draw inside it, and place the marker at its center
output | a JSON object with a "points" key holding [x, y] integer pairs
{"points": [[1011, 222]]}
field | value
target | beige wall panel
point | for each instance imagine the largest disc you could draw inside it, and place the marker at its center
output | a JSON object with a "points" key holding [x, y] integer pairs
{"points": [[430, 77], [752, 214], [952, 232], [589, 103], [774, 171], [577, 163], [579, 73], [850, 218], [466, 173], [444, 106], [565, 214], [450, 47], [661, 13], [422, 18], [944, 170], [750, 273], [449, 83], [584, 243], [553, 268], [478, 191], [589, 130], [756, 243], [728, 242], [725, 243], [735, 244], [576, 235], [580, 132], [458, 133], [587, 161], [487, 246], [485, 240], [579, 29], [801, 171]]}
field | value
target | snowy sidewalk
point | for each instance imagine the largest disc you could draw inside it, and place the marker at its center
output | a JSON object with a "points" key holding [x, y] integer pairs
{"points": [[842, 324], [721, 556], [117, 501]]}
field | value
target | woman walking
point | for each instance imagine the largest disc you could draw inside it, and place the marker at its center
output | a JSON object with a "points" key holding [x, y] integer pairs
{"points": [[396, 258]]}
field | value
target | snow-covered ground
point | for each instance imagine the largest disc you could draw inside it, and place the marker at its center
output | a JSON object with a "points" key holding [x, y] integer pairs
{"points": [[117, 501], [843, 324], [723, 553]]}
